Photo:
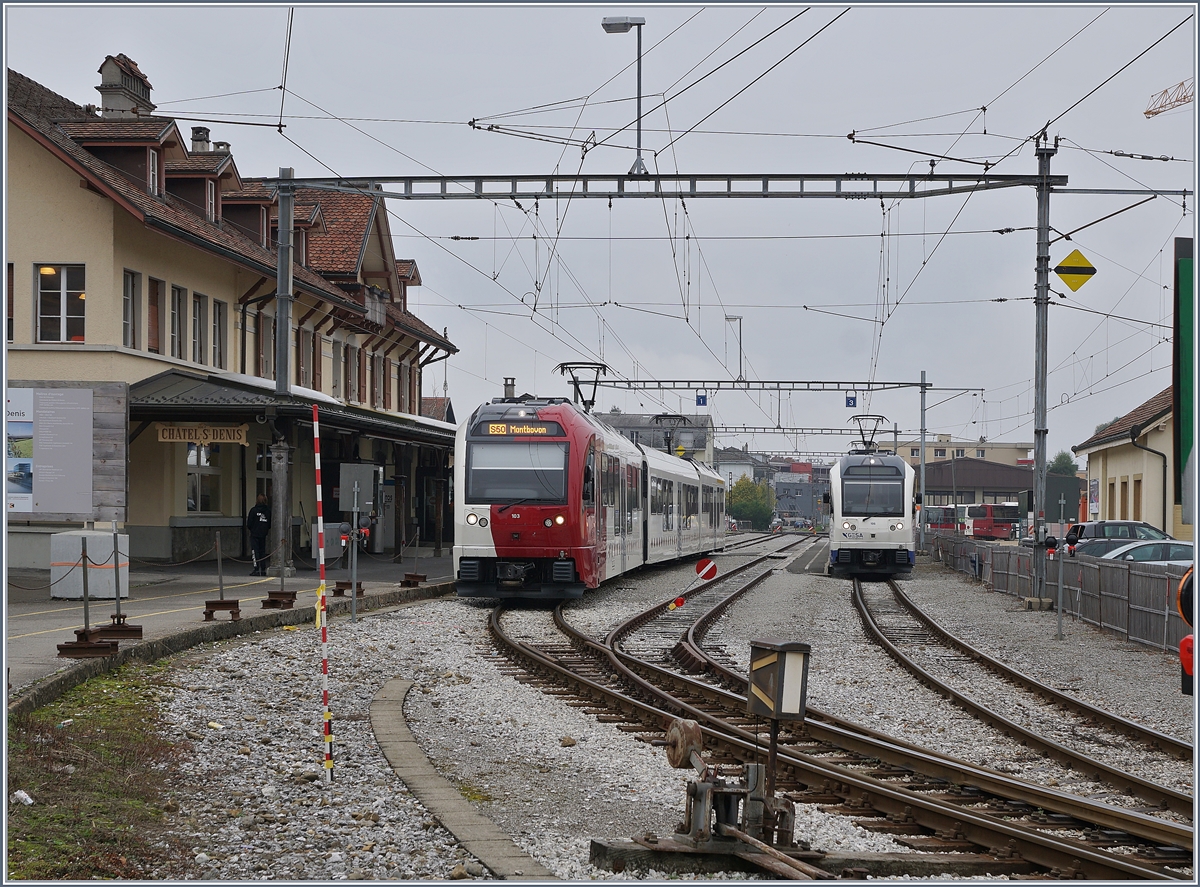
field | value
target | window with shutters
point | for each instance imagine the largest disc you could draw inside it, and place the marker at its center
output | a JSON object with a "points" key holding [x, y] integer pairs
{"points": [[178, 320], [199, 327], [218, 335], [362, 376], [264, 331], [304, 350], [153, 313], [131, 290], [387, 384], [317, 349]]}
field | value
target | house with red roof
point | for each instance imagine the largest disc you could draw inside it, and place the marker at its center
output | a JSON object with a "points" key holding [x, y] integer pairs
{"points": [[1131, 468], [141, 272]]}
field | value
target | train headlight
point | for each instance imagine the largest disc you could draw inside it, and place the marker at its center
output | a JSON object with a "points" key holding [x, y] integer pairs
{"points": [[899, 525], [845, 525], [483, 522], [560, 520], [547, 522], [472, 519]]}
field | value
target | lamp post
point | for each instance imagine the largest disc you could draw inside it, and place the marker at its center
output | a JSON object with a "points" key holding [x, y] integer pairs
{"points": [[620, 24]]}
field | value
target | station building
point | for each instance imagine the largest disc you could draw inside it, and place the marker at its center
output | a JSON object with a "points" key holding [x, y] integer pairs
{"points": [[1131, 468], [141, 273]]}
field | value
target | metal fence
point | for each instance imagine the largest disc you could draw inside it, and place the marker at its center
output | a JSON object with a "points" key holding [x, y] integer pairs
{"points": [[1133, 600]]}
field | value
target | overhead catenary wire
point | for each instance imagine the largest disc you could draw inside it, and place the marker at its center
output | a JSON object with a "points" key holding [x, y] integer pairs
{"points": [[287, 51], [1112, 76]]}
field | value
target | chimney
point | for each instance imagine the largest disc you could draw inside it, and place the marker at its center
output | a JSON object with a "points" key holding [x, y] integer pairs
{"points": [[124, 90], [221, 147], [510, 386], [200, 139]]}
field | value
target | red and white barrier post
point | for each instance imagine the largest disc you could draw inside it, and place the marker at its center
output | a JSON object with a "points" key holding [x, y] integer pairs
{"points": [[321, 621]]}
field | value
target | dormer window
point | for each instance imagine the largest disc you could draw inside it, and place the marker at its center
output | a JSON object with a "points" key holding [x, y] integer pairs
{"points": [[210, 203], [152, 169]]}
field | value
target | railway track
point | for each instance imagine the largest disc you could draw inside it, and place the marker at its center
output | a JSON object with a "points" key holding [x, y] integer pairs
{"points": [[929, 802], [1089, 740]]}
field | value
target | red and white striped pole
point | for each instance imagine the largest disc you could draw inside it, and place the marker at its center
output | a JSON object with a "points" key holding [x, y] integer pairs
{"points": [[320, 616]]}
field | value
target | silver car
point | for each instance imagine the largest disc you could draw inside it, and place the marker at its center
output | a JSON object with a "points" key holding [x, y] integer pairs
{"points": [[1169, 551]]}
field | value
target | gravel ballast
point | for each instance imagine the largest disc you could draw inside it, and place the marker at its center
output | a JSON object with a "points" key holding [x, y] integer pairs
{"points": [[548, 774]]}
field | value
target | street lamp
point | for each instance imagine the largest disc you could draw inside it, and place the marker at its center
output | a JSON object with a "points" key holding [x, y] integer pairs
{"points": [[620, 24]]}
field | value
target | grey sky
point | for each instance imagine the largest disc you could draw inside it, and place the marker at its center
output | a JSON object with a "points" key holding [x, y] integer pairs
{"points": [[912, 77]]}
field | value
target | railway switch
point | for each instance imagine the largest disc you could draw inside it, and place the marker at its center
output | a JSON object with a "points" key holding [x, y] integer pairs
{"points": [[732, 811]]}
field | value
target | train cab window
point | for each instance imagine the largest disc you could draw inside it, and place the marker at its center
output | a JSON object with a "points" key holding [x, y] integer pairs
{"points": [[509, 472], [668, 504], [872, 490]]}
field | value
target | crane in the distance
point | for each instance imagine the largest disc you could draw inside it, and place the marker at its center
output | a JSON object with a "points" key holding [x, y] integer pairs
{"points": [[1173, 97]]}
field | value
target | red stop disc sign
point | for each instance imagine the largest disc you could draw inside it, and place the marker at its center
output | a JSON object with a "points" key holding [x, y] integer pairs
{"points": [[706, 569]]}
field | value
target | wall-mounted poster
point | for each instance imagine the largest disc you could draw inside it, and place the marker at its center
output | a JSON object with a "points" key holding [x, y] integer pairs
{"points": [[49, 450], [1094, 496]]}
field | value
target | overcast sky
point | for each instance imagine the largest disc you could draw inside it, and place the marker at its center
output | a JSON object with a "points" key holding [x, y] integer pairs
{"points": [[645, 285]]}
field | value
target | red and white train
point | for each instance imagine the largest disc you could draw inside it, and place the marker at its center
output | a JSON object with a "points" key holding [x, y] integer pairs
{"points": [[550, 501]]}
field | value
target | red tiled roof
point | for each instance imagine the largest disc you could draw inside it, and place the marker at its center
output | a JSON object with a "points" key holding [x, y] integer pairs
{"points": [[306, 214], [163, 214], [435, 407], [407, 270], [250, 190], [1151, 411], [411, 324], [348, 220], [200, 163], [153, 129], [36, 100]]}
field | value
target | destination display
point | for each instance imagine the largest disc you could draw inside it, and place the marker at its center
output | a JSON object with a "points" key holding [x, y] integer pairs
{"points": [[518, 429]]}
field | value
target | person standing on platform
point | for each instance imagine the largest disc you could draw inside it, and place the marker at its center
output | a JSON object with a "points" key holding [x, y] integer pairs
{"points": [[258, 524]]}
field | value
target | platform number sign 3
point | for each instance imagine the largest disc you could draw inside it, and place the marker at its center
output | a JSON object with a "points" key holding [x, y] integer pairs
{"points": [[851, 400], [706, 569]]}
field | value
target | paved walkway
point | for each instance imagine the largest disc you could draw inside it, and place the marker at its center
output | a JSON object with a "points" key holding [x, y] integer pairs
{"points": [[167, 600]]}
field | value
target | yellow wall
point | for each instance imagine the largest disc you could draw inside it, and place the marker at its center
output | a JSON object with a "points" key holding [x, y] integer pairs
{"points": [[1124, 462]]}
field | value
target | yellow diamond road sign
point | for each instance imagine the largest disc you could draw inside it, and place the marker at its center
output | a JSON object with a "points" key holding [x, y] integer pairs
{"points": [[1075, 270], [679, 450]]}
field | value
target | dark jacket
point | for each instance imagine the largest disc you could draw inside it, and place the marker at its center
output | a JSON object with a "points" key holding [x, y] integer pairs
{"points": [[258, 521]]}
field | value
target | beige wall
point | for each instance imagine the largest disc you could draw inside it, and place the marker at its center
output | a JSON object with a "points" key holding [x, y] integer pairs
{"points": [[60, 223], [994, 451], [1124, 464]]}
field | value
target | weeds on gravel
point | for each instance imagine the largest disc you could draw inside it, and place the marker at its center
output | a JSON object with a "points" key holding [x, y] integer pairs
{"points": [[97, 772]]}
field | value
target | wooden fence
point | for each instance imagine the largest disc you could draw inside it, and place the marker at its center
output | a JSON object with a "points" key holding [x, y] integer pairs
{"points": [[1133, 600]]}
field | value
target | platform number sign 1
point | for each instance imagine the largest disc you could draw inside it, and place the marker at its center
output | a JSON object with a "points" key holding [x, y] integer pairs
{"points": [[851, 400], [706, 569]]}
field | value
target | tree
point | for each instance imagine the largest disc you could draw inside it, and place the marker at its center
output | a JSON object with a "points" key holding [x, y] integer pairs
{"points": [[752, 501], [1064, 463], [1104, 425]]}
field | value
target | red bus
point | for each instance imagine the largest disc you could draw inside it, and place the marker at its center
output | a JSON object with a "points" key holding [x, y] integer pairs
{"points": [[992, 521], [939, 517]]}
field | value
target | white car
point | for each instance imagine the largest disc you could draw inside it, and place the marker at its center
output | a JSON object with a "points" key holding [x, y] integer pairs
{"points": [[1168, 551]]}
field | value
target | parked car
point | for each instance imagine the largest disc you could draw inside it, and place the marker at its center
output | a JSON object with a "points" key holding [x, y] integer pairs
{"points": [[1166, 552], [1099, 547], [1116, 529]]}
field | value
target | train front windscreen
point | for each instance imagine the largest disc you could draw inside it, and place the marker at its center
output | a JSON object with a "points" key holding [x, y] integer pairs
{"points": [[872, 491], [517, 471]]}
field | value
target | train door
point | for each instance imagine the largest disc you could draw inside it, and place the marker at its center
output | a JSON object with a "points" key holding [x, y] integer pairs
{"points": [[622, 506], [677, 512]]}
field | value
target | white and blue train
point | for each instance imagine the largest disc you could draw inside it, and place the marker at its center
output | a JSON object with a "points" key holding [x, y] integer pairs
{"points": [[872, 514]]}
